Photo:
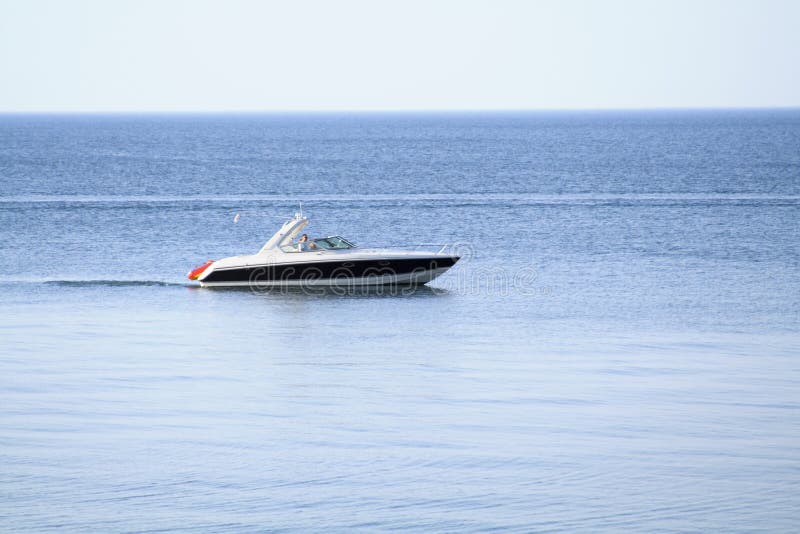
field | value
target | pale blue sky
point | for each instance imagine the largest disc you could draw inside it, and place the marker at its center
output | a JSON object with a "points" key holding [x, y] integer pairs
{"points": [[85, 55]]}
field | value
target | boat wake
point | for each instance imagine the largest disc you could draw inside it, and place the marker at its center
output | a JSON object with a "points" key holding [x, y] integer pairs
{"points": [[366, 291], [115, 283], [96, 283]]}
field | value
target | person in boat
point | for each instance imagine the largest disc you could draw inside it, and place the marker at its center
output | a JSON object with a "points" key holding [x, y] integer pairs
{"points": [[303, 245]]}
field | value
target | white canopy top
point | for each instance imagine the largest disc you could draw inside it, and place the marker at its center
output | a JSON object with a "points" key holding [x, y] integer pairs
{"points": [[287, 232]]}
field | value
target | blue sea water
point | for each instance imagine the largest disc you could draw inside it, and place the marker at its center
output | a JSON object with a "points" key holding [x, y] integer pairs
{"points": [[618, 350]]}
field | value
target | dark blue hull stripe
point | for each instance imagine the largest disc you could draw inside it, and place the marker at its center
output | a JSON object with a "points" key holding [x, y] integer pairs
{"points": [[329, 270]]}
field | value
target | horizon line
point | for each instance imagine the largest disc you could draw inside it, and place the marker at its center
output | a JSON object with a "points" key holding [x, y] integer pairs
{"points": [[322, 111]]}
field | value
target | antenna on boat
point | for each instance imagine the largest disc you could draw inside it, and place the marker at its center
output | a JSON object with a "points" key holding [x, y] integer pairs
{"points": [[298, 214]]}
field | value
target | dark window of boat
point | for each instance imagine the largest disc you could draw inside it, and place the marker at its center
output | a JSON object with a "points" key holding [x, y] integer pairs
{"points": [[333, 243]]}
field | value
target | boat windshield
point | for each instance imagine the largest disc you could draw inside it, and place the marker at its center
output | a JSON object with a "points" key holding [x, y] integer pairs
{"points": [[333, 243], [323, 243]]}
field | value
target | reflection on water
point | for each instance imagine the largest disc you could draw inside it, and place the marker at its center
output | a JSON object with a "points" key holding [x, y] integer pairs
{"points": [[418, 291]]}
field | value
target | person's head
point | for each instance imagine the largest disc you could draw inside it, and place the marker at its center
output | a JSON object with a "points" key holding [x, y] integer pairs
{"points": [[304, 238]]}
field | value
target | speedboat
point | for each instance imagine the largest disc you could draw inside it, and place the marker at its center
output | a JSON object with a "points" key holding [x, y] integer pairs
{"points": [[325, 261]]}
